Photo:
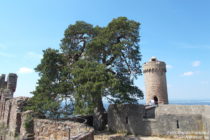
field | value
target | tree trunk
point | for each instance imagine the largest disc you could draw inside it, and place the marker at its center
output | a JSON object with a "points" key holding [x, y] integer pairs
{"points": [[99, 117]]}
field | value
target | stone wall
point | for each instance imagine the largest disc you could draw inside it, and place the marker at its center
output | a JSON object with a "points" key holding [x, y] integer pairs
{"points": [[10, 111], [206, 120], [126, 118], [13, 118], [25, 132], [180, 121], [61, 130]]}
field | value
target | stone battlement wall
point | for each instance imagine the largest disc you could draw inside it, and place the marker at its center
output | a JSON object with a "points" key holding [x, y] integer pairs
{"points": [[10, 114], [154, 66], [179, 121], [13, 118], [7, 87], [10, 83]]}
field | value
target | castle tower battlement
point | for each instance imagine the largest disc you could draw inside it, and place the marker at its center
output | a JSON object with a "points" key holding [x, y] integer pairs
{"points": [[155, 81], [12, 82], [7, 87]]}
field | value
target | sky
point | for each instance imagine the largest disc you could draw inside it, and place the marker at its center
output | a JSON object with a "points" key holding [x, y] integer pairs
{"points": [[175, 31]]}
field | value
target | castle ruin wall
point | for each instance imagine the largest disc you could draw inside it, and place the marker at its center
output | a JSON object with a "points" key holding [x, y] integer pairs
{"points": [[13, 119], [61, 130], [126, 118], [206, 120], [178, 121], [11, 114]]}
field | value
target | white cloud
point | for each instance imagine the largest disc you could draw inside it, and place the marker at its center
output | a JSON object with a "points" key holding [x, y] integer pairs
{"points": [[25, 70], [33, 55], [196, 63], [189, 73], [169, 66]]}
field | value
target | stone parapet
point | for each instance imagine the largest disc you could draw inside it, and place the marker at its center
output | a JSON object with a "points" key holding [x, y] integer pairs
{"points": [[154, 67], [177, 121], [13, 118], [61, 130]]}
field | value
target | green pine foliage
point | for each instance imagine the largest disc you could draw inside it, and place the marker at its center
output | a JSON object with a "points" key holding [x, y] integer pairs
{"points": [[93, 63]]}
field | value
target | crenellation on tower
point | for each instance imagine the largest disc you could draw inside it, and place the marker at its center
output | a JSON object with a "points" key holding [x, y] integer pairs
{"points": [[2, 81], [155, 81], [7, 87], [154, 65], [12, 82]]}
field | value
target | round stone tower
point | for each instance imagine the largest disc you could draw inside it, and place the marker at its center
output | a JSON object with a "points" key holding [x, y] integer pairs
{"points": [[155, 81]]}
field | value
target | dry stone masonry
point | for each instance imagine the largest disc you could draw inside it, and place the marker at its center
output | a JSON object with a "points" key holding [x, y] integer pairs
{"points": [[61, 130], [13, 119]]}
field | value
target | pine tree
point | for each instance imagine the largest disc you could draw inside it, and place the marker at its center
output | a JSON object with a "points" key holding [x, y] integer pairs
{"points": [[93, 63]]}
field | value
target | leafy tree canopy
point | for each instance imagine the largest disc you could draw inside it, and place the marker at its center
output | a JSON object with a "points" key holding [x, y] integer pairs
{"points": [[93, 62]]}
